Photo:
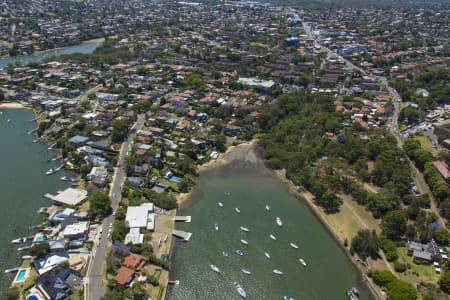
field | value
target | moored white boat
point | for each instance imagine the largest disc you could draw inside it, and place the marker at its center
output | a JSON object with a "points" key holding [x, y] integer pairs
{"points": [[216, 227], [215, 269], [19, 240], [279, 222], [246, 271], [237, 210], [267, 254], [244, 229], [267, 207], [293, 245], [220, 204], [302, 261], [225, 253], [244, 242], [66, 178], [50, 171], [9, 120], [240, 290], [239, 252], [273, 237], [278, 272], [288, 298]]}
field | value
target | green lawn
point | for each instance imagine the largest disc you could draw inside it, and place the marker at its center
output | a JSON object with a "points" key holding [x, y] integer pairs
{"points": [[426, 144], [426, 272]]}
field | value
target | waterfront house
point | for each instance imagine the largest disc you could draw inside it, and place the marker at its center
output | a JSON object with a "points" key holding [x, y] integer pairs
{"points": [[76, 231], [78, 140], [58, 284], [69, 196], [134, 261], [58, 245], [141, 216], [49, 262]]}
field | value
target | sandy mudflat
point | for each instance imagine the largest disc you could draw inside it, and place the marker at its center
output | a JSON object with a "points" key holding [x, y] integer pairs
{"points": [[15, 105]]}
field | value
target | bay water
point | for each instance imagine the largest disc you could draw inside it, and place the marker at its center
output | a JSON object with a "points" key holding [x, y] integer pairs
{"points": [[22, 185], [249, 186]]}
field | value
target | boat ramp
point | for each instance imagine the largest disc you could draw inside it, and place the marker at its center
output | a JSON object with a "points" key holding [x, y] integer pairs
{"points": [[185, 236]]}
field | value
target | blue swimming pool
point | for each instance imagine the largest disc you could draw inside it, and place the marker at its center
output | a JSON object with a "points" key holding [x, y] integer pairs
{"points": [[32, 297], [21, 275], [175, 179], [41, 239]]}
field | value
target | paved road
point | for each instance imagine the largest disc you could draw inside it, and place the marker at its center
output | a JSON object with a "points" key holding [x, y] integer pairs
{"points": [[95, 272]]}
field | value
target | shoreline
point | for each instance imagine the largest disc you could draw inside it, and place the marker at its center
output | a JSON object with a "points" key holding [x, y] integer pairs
{"points": [[234, 152], [13, 105], [307, 197], [97, 40], [223, 159]]}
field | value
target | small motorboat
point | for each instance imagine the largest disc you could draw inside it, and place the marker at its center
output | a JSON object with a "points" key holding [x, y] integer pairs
{"points": [[267, 207], [220, 204], [302, 261], [9, 120], [273, 237], [225, 253], [66, 178], [35, 140], [216, 227], [50, 171], [246, 271], [237, 210], [244, 242], [278, 272], [239, 252], [267, 255], [240, 290], [353, 293], [215, 269], [288, 298], [279, 223], [19, 240], [227, 194], [293, 245], [244, 229]]}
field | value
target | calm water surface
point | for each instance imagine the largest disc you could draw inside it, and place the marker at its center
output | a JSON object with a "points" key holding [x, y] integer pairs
{"points": [[22, 185], [86, 48], [328, 274]]}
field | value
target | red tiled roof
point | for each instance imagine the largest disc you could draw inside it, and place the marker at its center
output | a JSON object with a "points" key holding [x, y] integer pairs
{"points": [[442, 168], [124, 275], [132, 260]]}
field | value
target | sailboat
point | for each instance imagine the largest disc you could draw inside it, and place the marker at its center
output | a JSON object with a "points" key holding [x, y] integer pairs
{"points": [[279, 223], [244, 229], [240, 290], [215, 269]]}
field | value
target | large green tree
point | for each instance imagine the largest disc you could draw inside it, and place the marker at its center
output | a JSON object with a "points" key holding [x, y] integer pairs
{"points": [[394, 224], [99, 203], [120, 130], [366, 244]]}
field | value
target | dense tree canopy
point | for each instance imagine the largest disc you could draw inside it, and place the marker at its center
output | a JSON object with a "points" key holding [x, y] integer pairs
{"points": [[99, 203], [365, 244]]}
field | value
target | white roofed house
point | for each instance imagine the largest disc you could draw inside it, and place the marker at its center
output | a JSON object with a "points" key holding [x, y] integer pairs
{"points": [[139, 218], [76, 231]]}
